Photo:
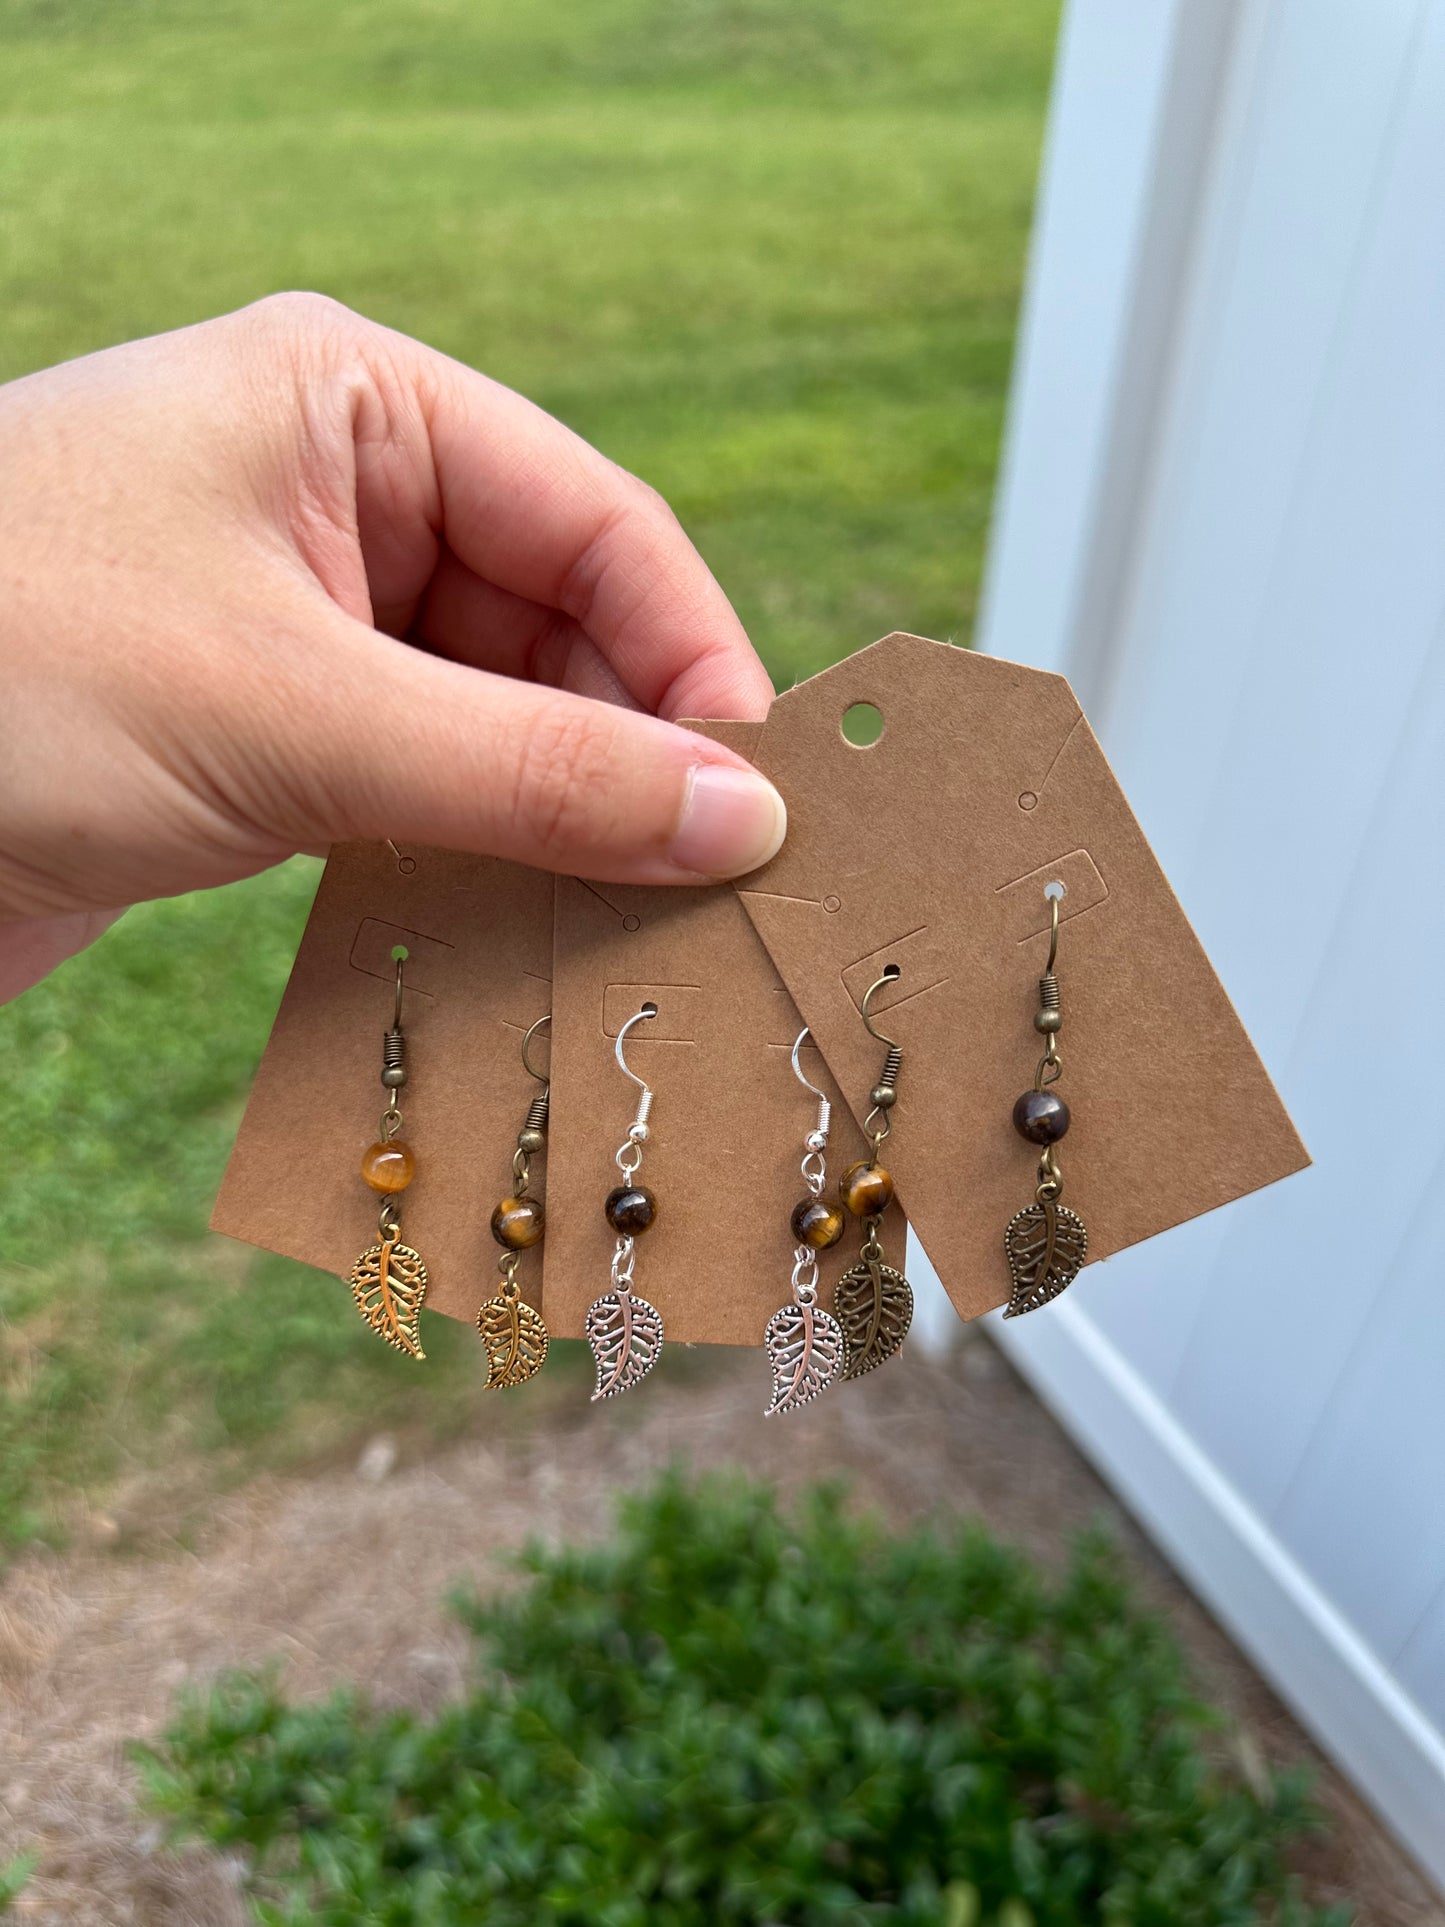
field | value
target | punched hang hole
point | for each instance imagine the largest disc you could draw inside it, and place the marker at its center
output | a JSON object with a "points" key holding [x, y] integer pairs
{"points": [[399, 953], [1055, 890], [649, 1009], [862, 725]]}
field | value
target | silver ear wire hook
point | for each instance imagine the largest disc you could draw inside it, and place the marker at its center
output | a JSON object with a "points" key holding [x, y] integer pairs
{"points": [[637, 1132], [825, 1109], [527, 1064]]}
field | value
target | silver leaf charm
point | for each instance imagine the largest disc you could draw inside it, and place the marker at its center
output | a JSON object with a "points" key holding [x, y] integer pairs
{"points": [[805, 1349], [625, 1334]]}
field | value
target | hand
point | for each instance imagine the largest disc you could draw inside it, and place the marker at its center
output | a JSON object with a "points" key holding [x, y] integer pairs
{"points": [[287, 577]]}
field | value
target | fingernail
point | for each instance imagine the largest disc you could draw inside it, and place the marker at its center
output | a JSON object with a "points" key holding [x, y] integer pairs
{"points": [[732, 821]]}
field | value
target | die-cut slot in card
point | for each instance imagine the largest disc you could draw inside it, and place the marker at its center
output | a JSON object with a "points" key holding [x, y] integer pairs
{"points": [[478, 936], [728, 1122], [932, 848]]}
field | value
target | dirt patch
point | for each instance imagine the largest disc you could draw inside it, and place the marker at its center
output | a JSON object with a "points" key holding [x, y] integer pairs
{"points": [[342, 1575]]}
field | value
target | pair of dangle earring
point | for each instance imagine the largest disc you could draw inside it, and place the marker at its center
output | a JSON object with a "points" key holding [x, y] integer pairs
{"points": [[513, 1332], [808, 1349], [1045, 1243], [389, 1279], [623, 1329]]}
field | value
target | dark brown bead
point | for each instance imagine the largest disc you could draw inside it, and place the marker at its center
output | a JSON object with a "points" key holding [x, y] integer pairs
{"points": [[631, 1209], [817, 1224], [866, 1189], [1041, 1116], [517, 1223]]}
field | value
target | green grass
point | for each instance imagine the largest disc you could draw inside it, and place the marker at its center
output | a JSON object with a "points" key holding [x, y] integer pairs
{"points": [[766, 252]]}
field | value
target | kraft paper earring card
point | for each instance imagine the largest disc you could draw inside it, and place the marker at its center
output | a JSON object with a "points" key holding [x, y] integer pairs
{"points": [[727, 1120], [931, 850], [477, 936]]}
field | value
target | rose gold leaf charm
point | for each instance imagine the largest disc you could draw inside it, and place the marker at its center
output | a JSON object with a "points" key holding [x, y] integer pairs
{"points": [[389, 1284], [625, 1334], [515, 1339], [805, 1349], [1046, 1245], [874, 1305]]}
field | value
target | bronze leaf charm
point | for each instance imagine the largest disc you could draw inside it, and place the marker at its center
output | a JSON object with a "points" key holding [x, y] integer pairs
{"points": [[389, 1285], [805, 1350], [1046, 1244], [515, 1338], [874, 1306], [625, 1334]]}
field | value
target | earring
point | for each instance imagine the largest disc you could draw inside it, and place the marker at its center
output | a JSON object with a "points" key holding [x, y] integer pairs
{"points": [[512, 1331], [805, 1344], [873, 1302], [388, 1280], [1045, 1243], [624, 1331]]}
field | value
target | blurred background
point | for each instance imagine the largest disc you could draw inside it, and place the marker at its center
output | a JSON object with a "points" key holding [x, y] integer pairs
{"points": [[769, 255]]}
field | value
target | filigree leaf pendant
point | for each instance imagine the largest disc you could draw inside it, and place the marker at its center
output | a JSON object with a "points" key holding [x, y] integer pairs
{"points": [[515, 1339], [874, 1306], [389, 1283], [1046, 1245], [625, 1334], [805, 1350]]}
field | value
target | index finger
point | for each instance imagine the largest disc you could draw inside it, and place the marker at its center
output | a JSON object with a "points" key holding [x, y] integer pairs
{"points": [[528, 505]]}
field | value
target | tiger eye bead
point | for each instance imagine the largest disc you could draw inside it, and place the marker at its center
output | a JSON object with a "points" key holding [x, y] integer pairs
{"points": [[517, 1223], [388, 1167], [817, 1224], [631, 1209], [866, 1189], [1041, 1116]]}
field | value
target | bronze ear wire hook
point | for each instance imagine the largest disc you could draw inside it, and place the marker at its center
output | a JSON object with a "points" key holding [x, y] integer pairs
{"points": [[884, 1094]]}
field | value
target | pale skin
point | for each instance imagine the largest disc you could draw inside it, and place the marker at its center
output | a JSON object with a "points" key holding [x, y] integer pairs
{"points": [[287, 578]]}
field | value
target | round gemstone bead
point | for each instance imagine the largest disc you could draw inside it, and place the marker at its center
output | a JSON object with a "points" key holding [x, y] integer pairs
{"points": [[517, 1223], [631, 1209], [817, 1224], [866, 1189], [1041, 1116], [388, 1166]]}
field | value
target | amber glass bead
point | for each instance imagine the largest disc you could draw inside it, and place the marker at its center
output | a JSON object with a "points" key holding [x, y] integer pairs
{"points": [[817, 1224], [517, 1223], [389, 1166], [1041, 1116], [866, 1189], [631, 1209]]}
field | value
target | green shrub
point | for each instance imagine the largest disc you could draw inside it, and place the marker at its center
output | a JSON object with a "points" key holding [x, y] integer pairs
{"points": [[730, 1715]]}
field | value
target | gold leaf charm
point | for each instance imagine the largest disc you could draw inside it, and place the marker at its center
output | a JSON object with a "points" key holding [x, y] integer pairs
{"points": [[515, 1338], [874, 1306], [625, 1334], [1045, 1244], [805, 1349], [389, 1284]]}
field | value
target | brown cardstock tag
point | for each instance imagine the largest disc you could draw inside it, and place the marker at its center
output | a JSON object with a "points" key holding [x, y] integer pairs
{"points": [[931, 849], [728, 1120], [478, 933]]}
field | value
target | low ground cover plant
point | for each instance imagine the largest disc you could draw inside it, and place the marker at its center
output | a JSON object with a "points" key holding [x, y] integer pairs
{"points": [[732, 1712]]}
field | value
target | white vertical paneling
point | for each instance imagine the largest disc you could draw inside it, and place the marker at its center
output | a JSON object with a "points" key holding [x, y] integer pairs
{"points": [[1248, 503]]}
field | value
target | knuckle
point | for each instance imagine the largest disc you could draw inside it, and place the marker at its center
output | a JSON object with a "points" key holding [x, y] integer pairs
{"points": [[301, 314]]}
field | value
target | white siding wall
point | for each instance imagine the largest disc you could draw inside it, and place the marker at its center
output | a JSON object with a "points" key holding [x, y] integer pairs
{"points": [[1223, 516]]}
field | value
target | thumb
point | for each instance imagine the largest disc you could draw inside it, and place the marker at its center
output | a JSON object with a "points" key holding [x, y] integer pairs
{"points": [[459, 757]]}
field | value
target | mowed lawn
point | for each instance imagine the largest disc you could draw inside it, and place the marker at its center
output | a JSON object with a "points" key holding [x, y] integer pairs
{"points": [[767, 253]]}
